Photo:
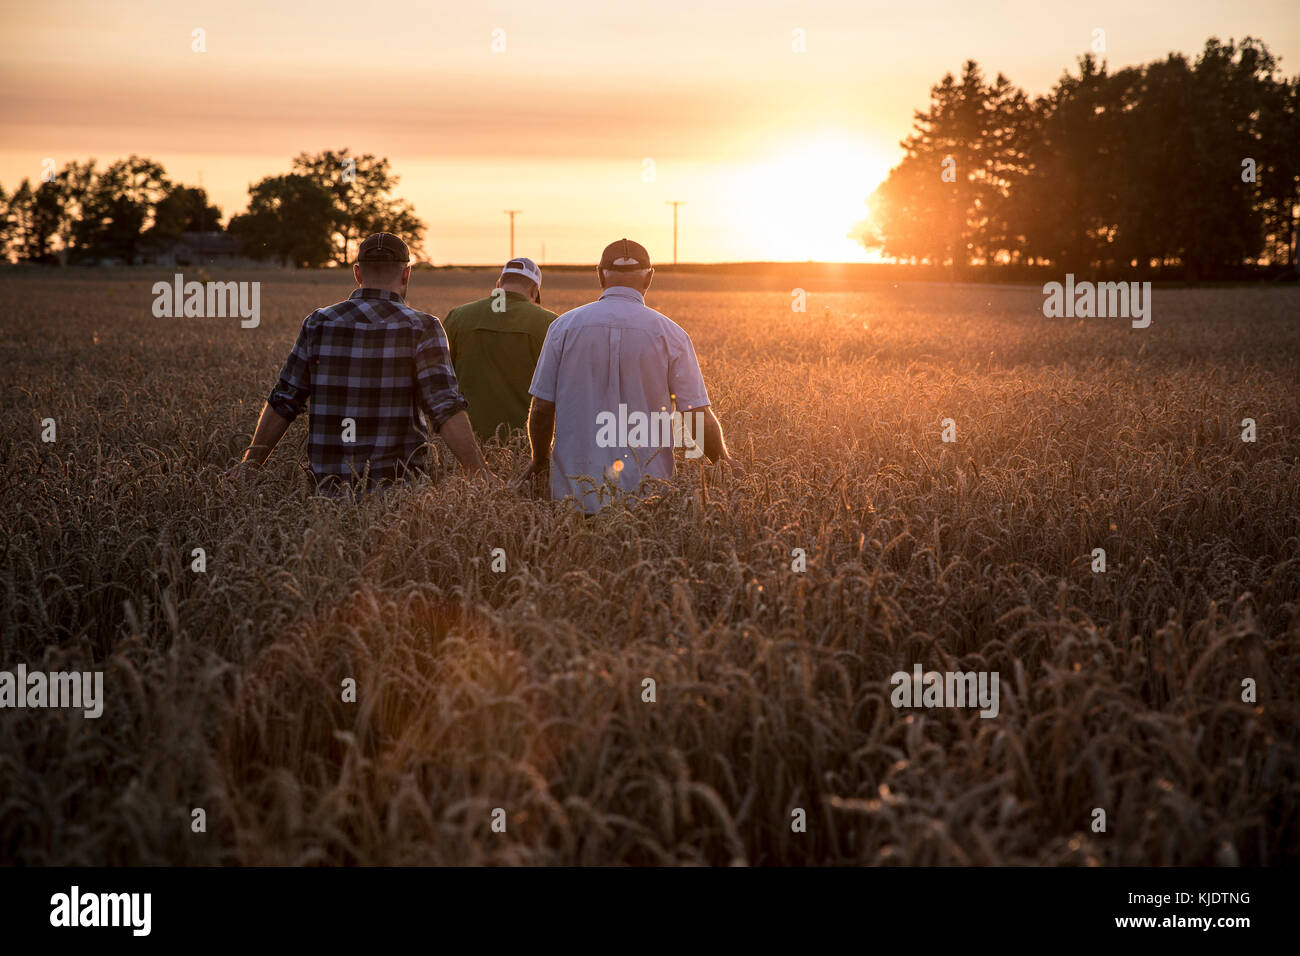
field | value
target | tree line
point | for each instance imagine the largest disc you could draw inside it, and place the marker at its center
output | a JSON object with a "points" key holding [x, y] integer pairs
{"points": [[129, 210], [1175, 163], [1190, 164]]}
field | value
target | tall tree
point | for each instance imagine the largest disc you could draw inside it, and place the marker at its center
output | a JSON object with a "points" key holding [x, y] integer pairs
{"points": [[1148, 165], [1067, 201], [20, 220], [290, 218], [36, 215], [119, 205], [947, 201], [1232, 83], [6, 225], [360, 187], [76, 227], [31, 220], [184, 209], [1277, 158]]}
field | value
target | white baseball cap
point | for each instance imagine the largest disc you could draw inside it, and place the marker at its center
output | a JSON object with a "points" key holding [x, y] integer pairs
{"points": [[524, 267]]}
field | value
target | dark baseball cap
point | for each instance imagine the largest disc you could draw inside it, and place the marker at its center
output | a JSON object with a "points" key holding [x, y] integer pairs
{"points": [[625, 256], [383, 247]]}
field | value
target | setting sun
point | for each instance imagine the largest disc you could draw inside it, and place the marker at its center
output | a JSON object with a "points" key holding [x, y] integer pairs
{"points": [[802, 201]]}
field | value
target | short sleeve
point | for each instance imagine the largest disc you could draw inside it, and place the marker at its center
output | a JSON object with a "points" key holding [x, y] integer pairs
{"points": [[684, 378], [546, 375]]}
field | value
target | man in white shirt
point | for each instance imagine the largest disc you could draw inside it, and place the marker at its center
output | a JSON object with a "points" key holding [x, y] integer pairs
{"points": [[605, 387]]}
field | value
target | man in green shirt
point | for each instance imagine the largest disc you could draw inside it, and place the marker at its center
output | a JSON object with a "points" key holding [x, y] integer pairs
{"points": [[494, 344]]}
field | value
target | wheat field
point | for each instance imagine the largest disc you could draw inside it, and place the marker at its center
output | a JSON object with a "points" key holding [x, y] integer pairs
{"points": [[522, 691]]}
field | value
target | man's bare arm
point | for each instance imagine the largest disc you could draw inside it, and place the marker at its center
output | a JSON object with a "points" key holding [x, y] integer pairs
{"points": [[459, 436], [271, 426], [715, 444], [541, 432]]}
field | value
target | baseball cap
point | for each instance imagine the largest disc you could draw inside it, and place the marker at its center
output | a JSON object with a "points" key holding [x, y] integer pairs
{"points": [[523, 267], [625, 256], [383, 247]]}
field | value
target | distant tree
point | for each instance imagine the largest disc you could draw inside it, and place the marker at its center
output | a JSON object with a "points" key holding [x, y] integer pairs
{"points": [[1150, 164], [20, 220], [117, 207], [947, 201], [359, 187], [1278, 169], [290, 218], [1163, 148], [77, 228], [908, 219], [184, 209], [1007, 130], [1066, 203], [6, 225], [31, 218], [34, 221], [1225, 215]]}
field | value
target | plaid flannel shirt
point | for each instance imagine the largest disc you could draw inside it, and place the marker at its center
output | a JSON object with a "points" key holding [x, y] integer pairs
{"points": [[375, 360]]}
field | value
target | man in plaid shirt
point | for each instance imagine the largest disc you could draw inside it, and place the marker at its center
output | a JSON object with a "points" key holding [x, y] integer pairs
{"points": [[369, 365]]}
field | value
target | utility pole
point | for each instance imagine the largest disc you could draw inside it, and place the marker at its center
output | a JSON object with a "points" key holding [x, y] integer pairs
{"points": [[675, 204], [512, 213], [202, 203]]}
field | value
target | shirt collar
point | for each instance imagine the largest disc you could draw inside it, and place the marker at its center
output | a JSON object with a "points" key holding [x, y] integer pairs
{"points": [[364, 293], [624, 292]]}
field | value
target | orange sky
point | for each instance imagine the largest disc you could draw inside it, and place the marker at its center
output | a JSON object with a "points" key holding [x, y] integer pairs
{"points": [[774, 151]]}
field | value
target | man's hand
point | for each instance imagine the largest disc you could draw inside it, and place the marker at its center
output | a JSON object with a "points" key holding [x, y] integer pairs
{"points": [[535, 468], [734, 465], [536, 471], [541, 434], [459, 436], [482, 477], [271, 426], [714, 445]]}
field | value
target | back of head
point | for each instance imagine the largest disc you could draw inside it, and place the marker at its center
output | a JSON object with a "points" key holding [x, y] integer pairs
{"points": [[625, 263], [523, 276], [382, 260]]}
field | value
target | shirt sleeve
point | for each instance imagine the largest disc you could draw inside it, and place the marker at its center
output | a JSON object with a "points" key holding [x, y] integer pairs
{"points": [[684, 378], [293, 389], [547, 373], [435, 378]]}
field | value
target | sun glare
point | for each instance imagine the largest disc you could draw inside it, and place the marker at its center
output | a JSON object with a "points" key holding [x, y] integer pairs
{"points": [[803, 202]]}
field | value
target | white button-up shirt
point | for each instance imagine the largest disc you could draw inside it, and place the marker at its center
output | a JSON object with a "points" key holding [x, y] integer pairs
{"points": [[614, 368]]}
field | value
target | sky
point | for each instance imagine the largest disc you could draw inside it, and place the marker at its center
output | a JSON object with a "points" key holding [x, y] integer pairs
{"points": [[588, 116]]}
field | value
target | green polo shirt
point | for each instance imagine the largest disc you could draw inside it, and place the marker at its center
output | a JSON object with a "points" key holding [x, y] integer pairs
{"points": [[494, 354]]}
